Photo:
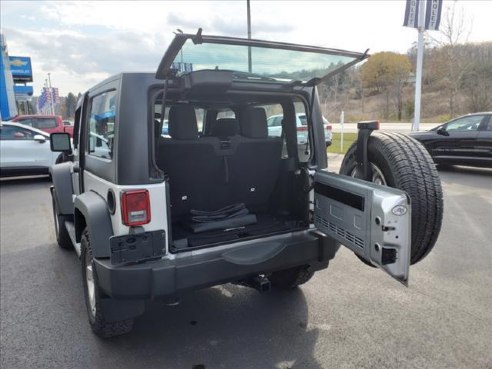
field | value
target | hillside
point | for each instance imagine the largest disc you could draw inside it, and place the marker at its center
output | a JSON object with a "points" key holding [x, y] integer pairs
{"points": [[456, 81]]}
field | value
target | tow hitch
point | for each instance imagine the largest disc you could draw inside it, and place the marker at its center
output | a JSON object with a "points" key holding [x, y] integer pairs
{"points": [[259, 282], [363, 169]]}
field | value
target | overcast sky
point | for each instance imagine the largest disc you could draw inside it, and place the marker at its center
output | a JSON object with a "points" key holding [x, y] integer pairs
{"points": [[81, 43]]}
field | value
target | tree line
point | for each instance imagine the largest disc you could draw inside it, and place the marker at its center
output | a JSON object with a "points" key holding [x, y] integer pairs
{"points": [[457, 79]]}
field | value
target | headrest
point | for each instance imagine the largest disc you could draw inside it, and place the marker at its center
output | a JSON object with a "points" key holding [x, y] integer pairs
{"points": [[182, 122], [225, 127], [254, 123]]}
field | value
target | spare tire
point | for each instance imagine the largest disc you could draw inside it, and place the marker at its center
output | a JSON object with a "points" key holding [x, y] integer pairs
{"points": [[401, 162]]}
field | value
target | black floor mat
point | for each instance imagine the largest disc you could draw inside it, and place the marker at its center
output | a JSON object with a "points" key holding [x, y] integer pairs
{"points": [[184, 238]]}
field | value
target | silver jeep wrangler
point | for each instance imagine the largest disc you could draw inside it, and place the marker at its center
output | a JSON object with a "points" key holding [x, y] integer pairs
{"points": [[173, 183]]}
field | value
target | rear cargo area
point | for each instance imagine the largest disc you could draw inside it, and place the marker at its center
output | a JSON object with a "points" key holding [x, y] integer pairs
{"points": [[230, 183]]}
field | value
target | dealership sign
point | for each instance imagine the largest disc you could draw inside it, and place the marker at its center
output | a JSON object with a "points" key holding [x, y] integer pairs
{"points": [[21, 69], [431, 19], [433, 14], [412, 14]]}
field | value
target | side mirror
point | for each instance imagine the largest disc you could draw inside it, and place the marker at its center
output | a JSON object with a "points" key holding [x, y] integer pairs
{"points": [[60, 142], [39, 138], [442, 131]]}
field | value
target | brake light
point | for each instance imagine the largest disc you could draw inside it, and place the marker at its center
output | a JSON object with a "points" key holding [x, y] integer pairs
{"points": [[329, 126], [302, 128], [135, 207]]}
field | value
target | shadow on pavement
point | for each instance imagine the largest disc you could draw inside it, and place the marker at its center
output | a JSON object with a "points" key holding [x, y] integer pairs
{"points": [[44, 317], [226, 326]]}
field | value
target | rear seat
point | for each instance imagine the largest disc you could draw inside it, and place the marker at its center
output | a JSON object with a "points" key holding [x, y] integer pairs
{"points": [[225, 128], [254, 168], [208, 173], [191, 163]]}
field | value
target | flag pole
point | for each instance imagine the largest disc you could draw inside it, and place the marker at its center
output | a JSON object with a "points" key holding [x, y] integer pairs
{"points": [[51, 95], [420, 60]]}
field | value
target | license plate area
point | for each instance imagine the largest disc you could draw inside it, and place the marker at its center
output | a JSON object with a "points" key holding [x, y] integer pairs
{"points": [[136, 248]]}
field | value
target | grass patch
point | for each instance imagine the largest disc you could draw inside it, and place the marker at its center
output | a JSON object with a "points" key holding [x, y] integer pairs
{"points": [[336, 143]]}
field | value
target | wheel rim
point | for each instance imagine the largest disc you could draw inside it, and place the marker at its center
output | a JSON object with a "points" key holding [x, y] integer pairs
{"points": [[91, 288], [377, 175]]}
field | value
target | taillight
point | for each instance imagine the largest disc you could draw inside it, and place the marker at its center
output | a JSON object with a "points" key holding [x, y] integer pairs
{"points": [[329, 126], [302, 128], [135, 207]]}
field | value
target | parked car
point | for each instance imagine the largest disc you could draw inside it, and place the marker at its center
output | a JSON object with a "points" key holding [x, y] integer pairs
{"points": [[466, 140], [274, 123], [24, 150], [46, 123], [155, 217], [165, 128]]}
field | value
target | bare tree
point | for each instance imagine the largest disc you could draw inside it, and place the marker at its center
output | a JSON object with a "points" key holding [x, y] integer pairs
{"points": [[455, 30]]}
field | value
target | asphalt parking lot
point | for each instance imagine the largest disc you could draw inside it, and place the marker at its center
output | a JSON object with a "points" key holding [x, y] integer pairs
{"points": [[348, 316]]}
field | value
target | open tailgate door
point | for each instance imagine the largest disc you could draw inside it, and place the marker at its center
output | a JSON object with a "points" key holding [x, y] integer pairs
{"points": [[373, 221]]}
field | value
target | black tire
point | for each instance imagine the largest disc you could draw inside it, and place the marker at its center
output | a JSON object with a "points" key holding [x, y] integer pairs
{"points": [[99, 325], [62, 236], [289, 279], [406, 164]]}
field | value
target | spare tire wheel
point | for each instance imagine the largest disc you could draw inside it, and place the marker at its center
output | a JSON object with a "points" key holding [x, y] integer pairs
{"points": [[401, 162]]}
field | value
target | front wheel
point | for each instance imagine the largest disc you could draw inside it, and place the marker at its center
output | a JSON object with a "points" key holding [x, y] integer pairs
{"points": [[93, 297], [401, 162]]}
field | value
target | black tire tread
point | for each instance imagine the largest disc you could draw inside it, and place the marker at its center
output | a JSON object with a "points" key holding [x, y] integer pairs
{"points": [[62, 237], [100, 326], [289, 279], [413, 171]]}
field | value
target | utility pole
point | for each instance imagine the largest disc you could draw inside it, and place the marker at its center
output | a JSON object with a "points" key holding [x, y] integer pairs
{"points": [[250, 66], [51, 95], [420, 60]]}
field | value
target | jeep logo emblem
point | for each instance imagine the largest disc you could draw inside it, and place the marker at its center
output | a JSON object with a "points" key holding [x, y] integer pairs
{"points": [[399, 210]]}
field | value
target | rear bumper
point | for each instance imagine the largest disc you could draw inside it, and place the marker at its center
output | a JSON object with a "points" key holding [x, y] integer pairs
{"points": [[169, 278]]}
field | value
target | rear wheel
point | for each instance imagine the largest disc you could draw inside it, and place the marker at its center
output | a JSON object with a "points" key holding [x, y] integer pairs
{"points": [[93, 297], [401, 162], [62, 236], [289, 279]]}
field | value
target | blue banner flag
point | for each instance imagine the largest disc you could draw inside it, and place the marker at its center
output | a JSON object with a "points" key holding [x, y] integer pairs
{"points": [[433, 14], [412, 14]]}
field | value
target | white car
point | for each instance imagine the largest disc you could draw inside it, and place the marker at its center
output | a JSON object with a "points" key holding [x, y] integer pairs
{"points": [[275, 128], [24, 150]]}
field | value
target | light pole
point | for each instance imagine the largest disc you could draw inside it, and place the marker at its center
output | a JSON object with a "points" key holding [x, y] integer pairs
{"points": [[420, 60], [250, 67], [51, 95]]}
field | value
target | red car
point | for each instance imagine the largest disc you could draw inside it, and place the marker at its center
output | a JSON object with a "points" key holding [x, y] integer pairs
{"points": [[47, 123]]}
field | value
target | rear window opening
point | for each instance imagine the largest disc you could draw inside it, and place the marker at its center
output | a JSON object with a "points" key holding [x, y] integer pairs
{"points": [[229, 172]]}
